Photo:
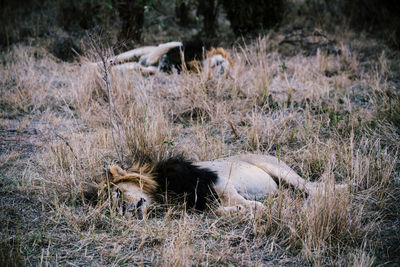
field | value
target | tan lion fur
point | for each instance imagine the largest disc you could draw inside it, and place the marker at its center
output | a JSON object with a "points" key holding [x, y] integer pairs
{"points": [[139, 175]]}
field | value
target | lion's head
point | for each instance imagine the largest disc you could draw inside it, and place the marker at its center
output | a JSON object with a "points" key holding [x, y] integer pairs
{"points": [[218, 61], [133, 189]]}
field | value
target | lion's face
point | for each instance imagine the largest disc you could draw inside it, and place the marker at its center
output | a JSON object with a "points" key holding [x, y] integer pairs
{"points": [[128, 193], [132, 199], [218, 64]]}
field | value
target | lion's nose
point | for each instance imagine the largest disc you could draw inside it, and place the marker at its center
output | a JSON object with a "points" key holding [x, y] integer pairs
{"points": [[139, 214], [130, 208]]}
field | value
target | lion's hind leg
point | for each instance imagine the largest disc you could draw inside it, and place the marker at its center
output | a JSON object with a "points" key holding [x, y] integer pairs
{"points": [[154, 57], [136, 67], [277, 168], [132, 55]]}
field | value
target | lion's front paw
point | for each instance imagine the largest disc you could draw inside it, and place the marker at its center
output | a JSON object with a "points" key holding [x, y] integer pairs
{"points": [[240, 208], [231, 210]]}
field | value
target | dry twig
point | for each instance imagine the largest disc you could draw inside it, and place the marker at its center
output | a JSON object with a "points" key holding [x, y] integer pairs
{"points": [[114, 122]]}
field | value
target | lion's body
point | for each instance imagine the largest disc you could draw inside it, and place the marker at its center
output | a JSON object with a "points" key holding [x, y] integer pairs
{"points": [[173, 55], [235, 181]]}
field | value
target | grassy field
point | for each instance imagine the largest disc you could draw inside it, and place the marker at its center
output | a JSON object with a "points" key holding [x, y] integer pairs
{"points": [[331, 112]]}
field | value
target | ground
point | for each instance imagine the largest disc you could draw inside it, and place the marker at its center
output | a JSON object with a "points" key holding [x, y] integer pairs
{"points": [[330, 110]]}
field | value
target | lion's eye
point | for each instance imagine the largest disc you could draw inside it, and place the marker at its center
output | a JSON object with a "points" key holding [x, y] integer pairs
{"points": [[118, 193]]}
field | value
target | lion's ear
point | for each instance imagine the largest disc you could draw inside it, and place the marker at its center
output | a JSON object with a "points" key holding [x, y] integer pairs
{"points": [[117, 171]]}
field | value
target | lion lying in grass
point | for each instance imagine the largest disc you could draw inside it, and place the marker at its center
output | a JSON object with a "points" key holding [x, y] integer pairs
{"points": [[236, 182], [190, 55]]}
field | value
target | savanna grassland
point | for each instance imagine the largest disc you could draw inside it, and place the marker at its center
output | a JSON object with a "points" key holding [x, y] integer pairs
{"points": [[330, 110]]}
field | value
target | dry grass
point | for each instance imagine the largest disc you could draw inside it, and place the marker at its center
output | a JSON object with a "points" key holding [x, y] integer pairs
{"points": [[331, 117]]}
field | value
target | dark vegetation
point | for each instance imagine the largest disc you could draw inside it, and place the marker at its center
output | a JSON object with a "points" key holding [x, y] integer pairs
{"points": [[65, 23], [252, 16], [378, 18]]}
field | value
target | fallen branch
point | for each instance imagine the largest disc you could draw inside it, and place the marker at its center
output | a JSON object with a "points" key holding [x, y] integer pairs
{"points": [[300, 38]]}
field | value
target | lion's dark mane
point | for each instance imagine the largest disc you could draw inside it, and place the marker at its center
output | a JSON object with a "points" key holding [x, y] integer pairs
{"points": [[180, 180], [192, 50]]}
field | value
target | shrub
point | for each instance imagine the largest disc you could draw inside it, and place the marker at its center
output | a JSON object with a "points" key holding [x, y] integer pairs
{"points": [[380, 17], [251, 16]]}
